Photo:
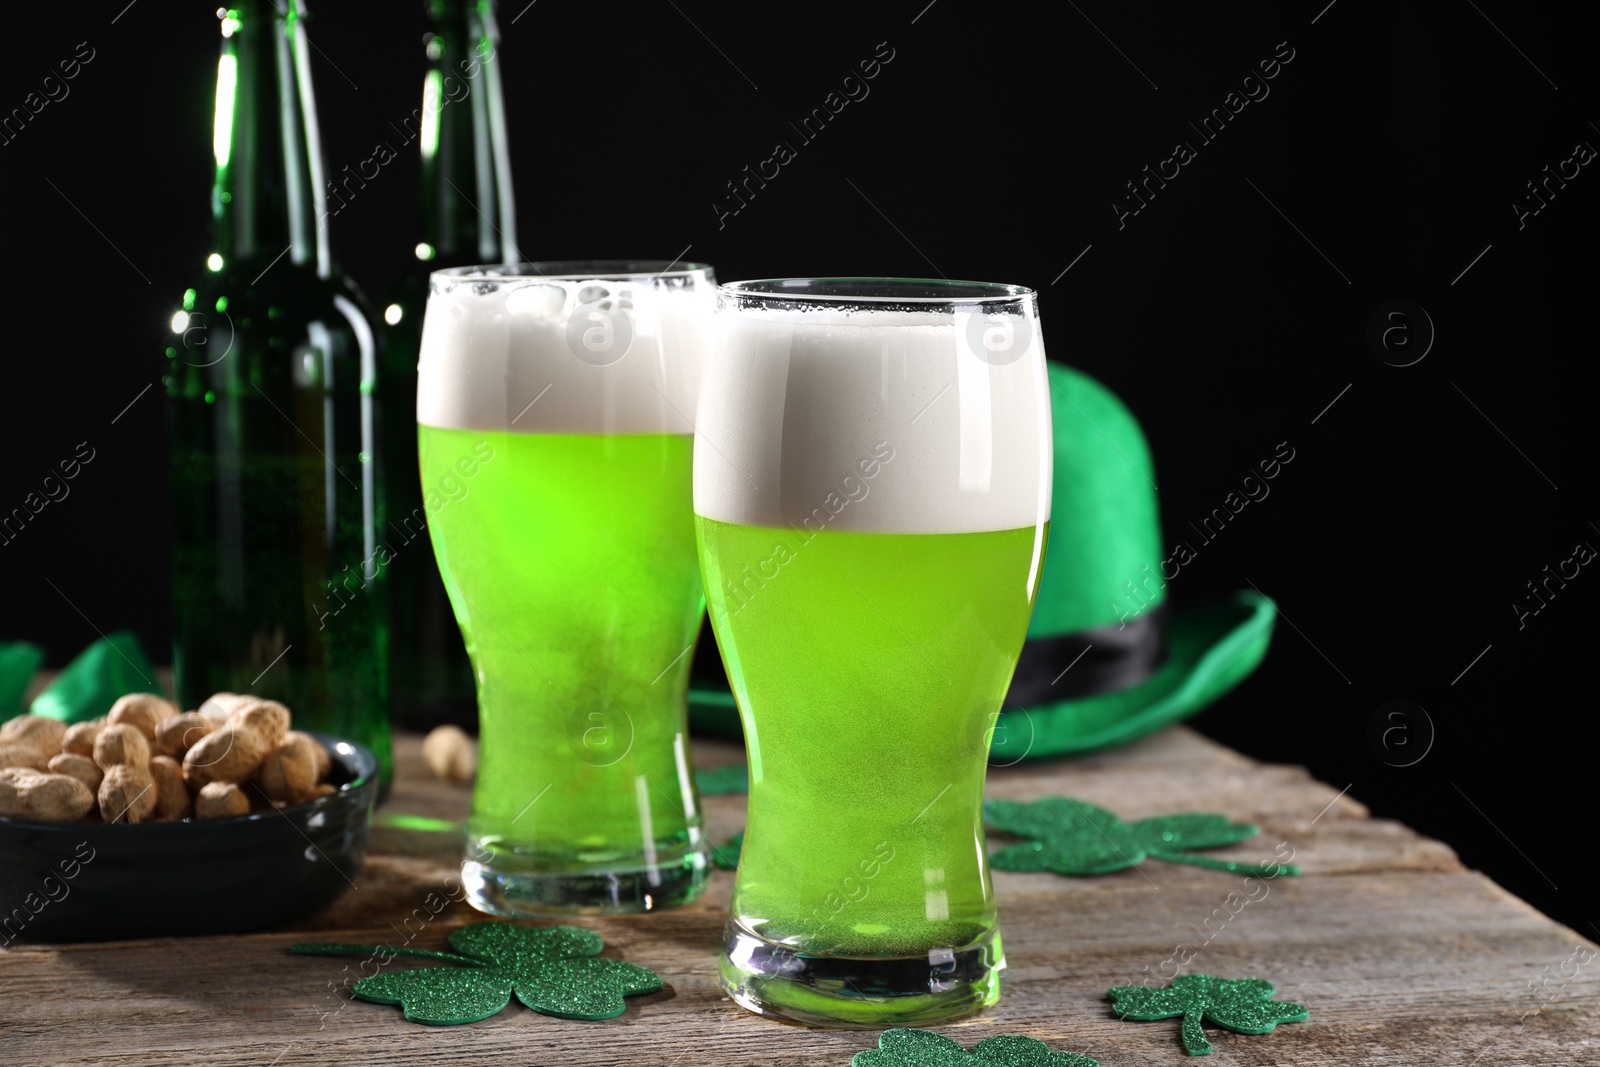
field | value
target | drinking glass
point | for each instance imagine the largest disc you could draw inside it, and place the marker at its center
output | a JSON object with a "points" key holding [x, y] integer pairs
{"points": [[554, 409], [872, 501]]}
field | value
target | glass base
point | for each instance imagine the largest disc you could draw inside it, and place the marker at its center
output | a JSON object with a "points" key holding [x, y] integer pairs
{"points": [[531, 892], [859, 994]]}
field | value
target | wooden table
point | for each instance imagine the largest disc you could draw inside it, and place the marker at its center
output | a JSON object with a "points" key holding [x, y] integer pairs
{"points": [[1402, 955]]}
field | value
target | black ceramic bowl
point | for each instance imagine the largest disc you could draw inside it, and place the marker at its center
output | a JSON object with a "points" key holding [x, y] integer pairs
{"points": [[94, 882]]}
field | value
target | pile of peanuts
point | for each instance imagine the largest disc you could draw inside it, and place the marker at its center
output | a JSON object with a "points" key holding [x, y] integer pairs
{"points": [[144, 761]]}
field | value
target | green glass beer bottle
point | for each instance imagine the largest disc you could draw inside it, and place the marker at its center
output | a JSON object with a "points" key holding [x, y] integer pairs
{"points": [[271, 376], [467, 217]]}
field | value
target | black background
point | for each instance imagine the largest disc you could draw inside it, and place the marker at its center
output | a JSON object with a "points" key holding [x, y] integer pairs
{"points": [[990, 147]]}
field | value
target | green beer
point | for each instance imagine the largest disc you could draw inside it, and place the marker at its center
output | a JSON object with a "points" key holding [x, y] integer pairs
{"points": [[871, 526], [556, 490], [569, 559], [900, 783]]}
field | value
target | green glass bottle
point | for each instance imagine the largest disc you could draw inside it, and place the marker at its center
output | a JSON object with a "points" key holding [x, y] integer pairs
{"points": [[467, 216], [272, 369]]}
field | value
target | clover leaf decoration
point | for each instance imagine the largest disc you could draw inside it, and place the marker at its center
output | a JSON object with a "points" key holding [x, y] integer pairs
{"points": [[721, 781], [727, 856], [553, 970], [1238, 1004], [901, 1047], [1074, 837]]}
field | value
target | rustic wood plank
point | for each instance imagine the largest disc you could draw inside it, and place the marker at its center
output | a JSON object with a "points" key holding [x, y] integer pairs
{"points": [[1403, 956]]}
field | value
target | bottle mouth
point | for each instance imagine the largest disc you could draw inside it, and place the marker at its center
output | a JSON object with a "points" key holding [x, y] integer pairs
{"points": [[602, 270]]}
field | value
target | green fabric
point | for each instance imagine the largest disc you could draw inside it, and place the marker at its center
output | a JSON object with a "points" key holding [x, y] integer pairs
{"points": [[1105, 531], [92, 682], [18, 662], [719, 781], [713, 712]]}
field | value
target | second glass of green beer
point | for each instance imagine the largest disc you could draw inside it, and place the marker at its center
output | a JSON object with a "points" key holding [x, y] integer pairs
{"points": [[553, 407], [872, 512]]}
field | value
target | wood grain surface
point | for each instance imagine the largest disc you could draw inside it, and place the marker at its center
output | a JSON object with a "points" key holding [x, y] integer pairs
{"points": [[1403, 956]]}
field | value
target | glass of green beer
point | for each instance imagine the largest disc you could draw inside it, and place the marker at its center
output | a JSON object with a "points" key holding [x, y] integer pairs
{"points": [[554, 409], [872, 502]]}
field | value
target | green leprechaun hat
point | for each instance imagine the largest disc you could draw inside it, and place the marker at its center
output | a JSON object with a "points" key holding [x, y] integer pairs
{"points": [[1107, 659]]}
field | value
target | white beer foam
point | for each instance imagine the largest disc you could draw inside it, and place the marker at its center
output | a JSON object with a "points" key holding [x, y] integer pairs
{"points": [[495, 355], [795, 406]]}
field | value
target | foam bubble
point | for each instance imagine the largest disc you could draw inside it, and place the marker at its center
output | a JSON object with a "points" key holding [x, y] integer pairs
{"points": [[546, 355], [874, 420]]}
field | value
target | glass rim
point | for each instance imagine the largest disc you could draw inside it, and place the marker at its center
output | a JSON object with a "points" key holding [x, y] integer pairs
{"points": [[577, 270], [869, 290]]}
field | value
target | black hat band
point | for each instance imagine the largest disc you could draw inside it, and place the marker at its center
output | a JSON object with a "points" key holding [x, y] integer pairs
{"points": [[1104, 659]]}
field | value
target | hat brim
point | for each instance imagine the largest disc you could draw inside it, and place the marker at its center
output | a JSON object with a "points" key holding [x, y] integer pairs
{"points": [[1210, 649]]}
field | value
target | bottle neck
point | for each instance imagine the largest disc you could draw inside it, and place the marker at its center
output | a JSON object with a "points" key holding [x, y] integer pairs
{"points": [[268, 200], [467, 210]]}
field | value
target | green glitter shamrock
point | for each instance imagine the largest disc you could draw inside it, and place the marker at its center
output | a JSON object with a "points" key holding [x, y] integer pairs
{"points": [[923, 1048], [720, 781], [552, 970], [1237, 1004], [727, 856], [1075, 837]]}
